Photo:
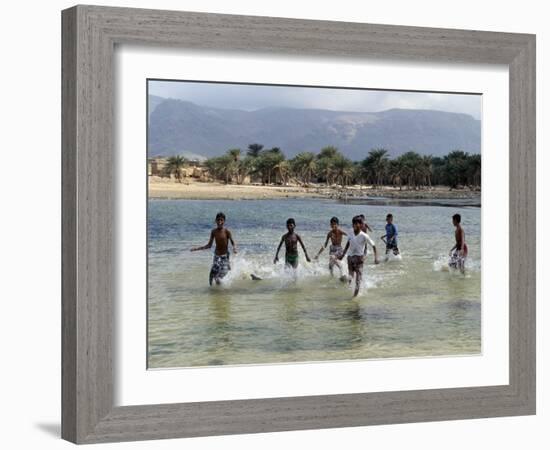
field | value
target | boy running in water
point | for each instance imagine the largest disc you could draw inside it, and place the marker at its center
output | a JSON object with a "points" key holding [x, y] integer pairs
{"points": [[335, 236], [357, 246], [390, 238], [291, 240], [365, 227], [222, 236], [459, 252]]}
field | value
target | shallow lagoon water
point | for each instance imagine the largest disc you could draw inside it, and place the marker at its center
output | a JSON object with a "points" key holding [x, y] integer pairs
{"points": [[408, 307]]}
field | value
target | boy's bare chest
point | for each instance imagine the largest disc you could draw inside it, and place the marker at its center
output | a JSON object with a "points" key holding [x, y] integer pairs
{"points": [[336, 237], [220, 236], [291, 240]]}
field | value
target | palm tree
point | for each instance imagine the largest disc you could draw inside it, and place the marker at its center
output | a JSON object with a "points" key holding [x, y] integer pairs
{"points": [[174, 164], [456, 168], [304, 166], [266, 162], [275, 151], [221, 167], [281, 170], [325, 162], [328, 152], [474, 169], [358, 174], [380, 160], [234, 155], [438, 170], [395, 171], [427, 169], [411, 163], [244, 168], [325, 169], [309, 167], [343, 169], [254, 150], [375, 165], [405, 172]]}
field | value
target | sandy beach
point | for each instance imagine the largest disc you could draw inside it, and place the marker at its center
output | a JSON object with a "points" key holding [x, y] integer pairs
{"points": [[163, 188]]}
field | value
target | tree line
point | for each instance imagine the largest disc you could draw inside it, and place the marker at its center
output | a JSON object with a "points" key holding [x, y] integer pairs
{"points": [[330, 166]]}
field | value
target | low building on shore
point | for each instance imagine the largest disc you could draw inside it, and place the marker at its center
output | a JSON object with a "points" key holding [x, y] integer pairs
{"points": [[156, 167]]}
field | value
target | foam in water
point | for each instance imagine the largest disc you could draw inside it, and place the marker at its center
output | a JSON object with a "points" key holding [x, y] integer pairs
{"points": [[391, 258], [309, 275], [243, 267], [441, 264]]}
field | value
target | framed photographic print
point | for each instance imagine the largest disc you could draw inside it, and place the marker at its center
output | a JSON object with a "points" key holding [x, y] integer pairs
{"points": [[267, 222]]}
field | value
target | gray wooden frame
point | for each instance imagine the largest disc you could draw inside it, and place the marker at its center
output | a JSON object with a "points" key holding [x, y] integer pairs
{"points": [[89, 36]]}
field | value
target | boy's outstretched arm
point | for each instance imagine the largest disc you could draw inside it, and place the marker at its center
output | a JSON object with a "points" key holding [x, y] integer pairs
{"points": [[303, 248], [376, 261], [371, 242], [230, 236], [204, 247], [276, 259], [462, 240], [323, 246], [345, 251]]}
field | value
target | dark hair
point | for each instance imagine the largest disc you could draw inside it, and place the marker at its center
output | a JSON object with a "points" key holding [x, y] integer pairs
{"points": [[457, 218], [220, 215], [389, 216], [363, 221], [357, 219], [334, 220], [290, 221]]}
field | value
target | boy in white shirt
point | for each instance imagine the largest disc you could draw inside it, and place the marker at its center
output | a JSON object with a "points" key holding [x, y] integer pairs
{"points": [[357, 246]]}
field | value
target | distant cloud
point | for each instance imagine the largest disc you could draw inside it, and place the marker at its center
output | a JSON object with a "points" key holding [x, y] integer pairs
{"points": [[252, 97]]}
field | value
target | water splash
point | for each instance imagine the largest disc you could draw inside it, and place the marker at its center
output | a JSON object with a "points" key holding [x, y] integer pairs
{"points": [[243, 266], [391, 258], [306, 275], [441, 264]]}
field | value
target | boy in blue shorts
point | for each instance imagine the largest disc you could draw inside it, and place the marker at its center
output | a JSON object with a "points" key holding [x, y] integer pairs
{"points": [[390, 238]]}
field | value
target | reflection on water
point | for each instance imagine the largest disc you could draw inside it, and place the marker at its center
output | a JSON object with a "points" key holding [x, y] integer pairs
{"points": [[411, 306]]}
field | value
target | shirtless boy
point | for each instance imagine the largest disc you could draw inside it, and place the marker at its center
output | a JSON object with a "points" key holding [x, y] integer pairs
{"points": [[357, 246], [291, 240], [459, 252], [365, 227], [335, 236], [222, 236]]}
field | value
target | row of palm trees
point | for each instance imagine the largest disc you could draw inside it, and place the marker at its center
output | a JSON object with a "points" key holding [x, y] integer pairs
{"points": [[455, 169], [330, 166]]}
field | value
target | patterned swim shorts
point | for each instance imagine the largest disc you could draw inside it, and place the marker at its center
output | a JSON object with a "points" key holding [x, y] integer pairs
{"points": [[220, 267], [336, 250]]}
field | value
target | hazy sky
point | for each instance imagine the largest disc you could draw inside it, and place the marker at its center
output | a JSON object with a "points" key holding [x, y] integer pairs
{"points": [[251, 97]]}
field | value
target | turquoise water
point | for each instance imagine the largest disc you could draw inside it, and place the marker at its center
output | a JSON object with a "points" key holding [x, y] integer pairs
{"points": [[408, 307]]}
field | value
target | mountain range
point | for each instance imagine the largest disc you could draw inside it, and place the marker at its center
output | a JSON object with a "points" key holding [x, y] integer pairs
{"points": [[196, 131]]}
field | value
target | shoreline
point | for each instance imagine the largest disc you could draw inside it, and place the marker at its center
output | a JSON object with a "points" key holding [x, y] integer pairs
{"points": [[159, 188]]}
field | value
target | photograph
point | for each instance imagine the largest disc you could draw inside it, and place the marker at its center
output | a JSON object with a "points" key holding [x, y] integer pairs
{"points": [[299, 224]]}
